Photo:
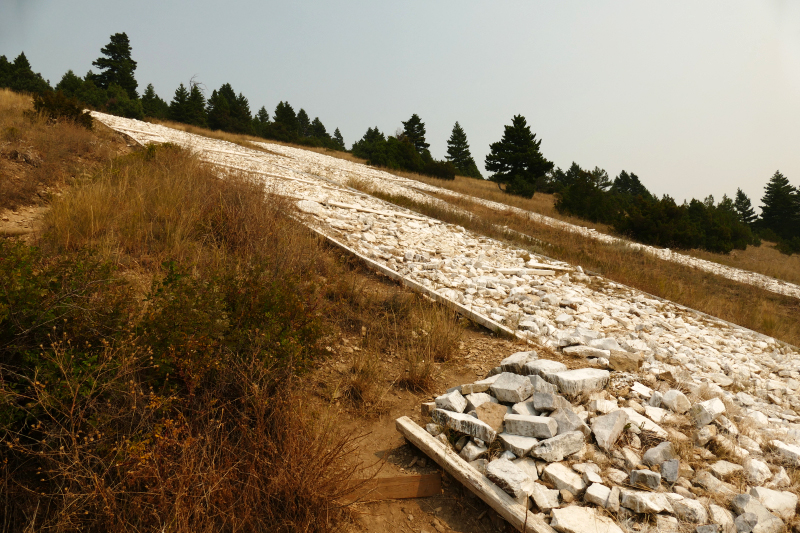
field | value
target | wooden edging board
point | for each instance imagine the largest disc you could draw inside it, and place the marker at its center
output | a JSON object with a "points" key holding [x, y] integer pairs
{"points": [[514, 513], [398, 488]]}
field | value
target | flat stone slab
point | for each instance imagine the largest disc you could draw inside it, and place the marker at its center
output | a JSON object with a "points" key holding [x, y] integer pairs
{"points": [[788, 452], [544, 368], [512, 388], [558, 447], [540, 427], [575, 519], [466, 424], [690, 510], [451, 401], [645, 479], [509, 477], [658, 454], [517, 444], [516, 361], [569, 421], [676, 401], [581, 381], [545, 401], [723, 469], [597, 494], [704, 413], [608, 428], [644, 502], [780, 502], [563, 477], [544, 498], [767, 522], [643, 422]]}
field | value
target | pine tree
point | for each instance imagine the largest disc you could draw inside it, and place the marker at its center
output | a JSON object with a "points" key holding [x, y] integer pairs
{"points": [[178, 108], [516, 160], [303, 123], [118, 66], [153, 105], [285, 121], [196, 107], [70, 84], [318, 130], [781, 210], [744, 208], [19, 76], [459, 154], [629, 184], [338, 139], [261, 122], [414, 131]]}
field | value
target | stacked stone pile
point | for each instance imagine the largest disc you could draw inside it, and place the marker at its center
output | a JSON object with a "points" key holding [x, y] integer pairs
{"points": [[631, 445]]}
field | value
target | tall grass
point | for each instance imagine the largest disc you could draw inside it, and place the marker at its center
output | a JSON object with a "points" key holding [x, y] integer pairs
{"points": [[36, 155], [172, 407]]}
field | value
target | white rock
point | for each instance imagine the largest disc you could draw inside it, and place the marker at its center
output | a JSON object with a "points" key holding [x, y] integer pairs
{"points": [[451, 401], [676, 401], [722, 517], [642, 390], [464, 423], [586, 352], [516, 361], [477, 398], [767, 522], [543, 368], [563, 477], [472, 451], [560, 446], [512, 388], [544, 498], [780, 480], [788, 452], [540, 427], [644, 502], [641, 421], [603, 406], [528, 465], [526, 408], [724, 468], [597, 494], [605, 344], [608, 428], [313, 208], [656, 414], [517, 444], [690, 510], [756, 472], [574, 519], [782, 503], [706, 412], [509, 477], [580, 381], [658, 454]]}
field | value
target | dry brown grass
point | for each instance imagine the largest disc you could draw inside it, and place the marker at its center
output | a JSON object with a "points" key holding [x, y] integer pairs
{"points": [[764, 259], [36, 157]]}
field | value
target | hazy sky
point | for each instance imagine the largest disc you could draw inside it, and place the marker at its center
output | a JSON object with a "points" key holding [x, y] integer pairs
{"points": [[696, 97]]}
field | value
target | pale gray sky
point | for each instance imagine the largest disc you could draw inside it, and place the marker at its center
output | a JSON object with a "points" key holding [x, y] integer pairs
{"points": [[696, 97]]}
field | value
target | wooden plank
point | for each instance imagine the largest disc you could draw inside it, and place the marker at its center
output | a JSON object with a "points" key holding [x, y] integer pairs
{"points": [[398, 487], [514, 513]]}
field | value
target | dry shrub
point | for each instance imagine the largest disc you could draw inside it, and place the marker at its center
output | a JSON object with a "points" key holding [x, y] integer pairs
{"points": [[104, 452], [36, 155]]}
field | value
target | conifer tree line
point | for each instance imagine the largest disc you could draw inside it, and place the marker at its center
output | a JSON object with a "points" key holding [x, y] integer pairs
{"points": [[515, 163]]}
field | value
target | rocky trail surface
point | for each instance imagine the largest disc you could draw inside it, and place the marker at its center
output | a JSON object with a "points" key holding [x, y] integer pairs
{"points": [[674, 420]]}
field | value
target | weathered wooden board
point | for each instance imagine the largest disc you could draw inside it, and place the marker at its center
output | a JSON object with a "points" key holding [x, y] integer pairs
{"points": [[514, 513], [399, 487]]}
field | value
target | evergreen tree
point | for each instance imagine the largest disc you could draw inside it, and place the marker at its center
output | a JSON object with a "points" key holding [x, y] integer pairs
{"points": [[196, 107], [629, 184], [744, 208], [414, 131], [179, 108], [119, 103], [70, 84], [5, 71], [117, 65], [338, 139], [318, 130], [228, 112], [19, 76], [284, 122], [516, 160], [303, 123], [261, 122], [781, 210], [459, 155], [153, 105]]}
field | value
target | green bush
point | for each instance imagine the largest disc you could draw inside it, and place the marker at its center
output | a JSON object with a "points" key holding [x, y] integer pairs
{"points": [[57, 106]]}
